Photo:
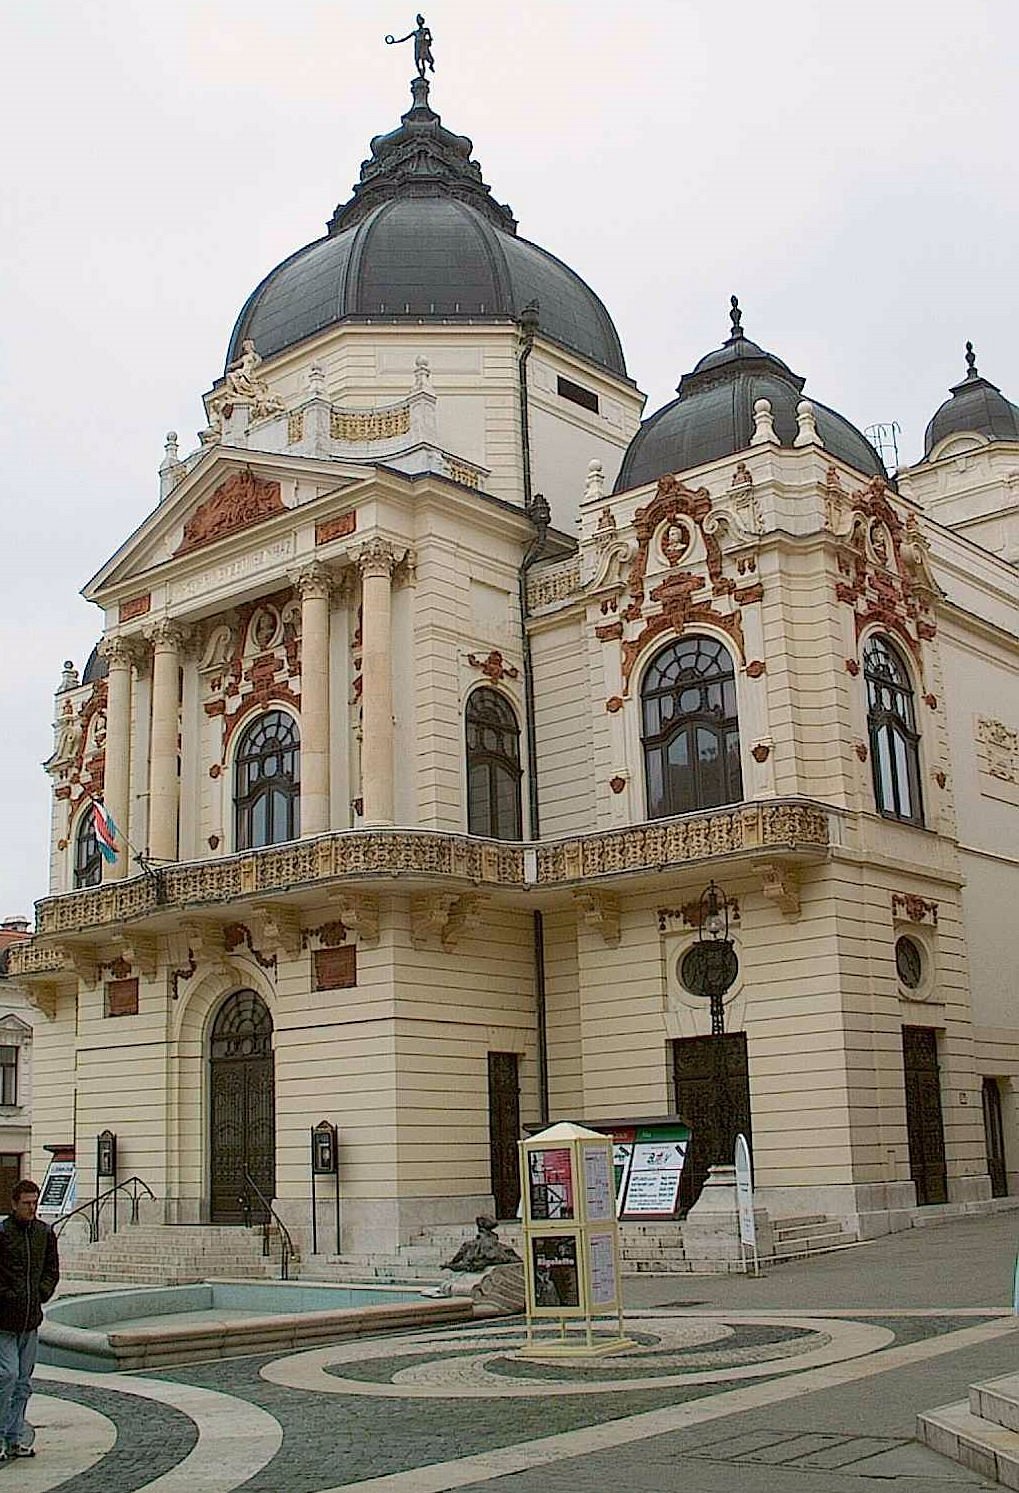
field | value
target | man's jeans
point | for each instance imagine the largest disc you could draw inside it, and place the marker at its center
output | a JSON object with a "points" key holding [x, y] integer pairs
{"points": [[17, 1361]]}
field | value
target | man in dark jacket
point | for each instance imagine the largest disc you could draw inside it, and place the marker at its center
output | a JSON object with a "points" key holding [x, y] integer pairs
{"points": [[29, 1271]]}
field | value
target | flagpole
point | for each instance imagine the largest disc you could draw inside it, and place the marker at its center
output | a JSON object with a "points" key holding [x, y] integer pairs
{"points": [[140, 857]]}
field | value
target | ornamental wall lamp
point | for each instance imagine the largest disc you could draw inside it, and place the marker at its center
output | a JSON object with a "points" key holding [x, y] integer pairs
{"points": [[710, 965]]}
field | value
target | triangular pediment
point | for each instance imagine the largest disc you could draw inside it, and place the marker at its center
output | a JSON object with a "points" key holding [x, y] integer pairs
{"points": [[229, 495]]}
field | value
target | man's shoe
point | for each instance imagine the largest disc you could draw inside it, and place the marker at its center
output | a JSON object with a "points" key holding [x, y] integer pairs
{"points": [[4, 1455], [14, 1451]]}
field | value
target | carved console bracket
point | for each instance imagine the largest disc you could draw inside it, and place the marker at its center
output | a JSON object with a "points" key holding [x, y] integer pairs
{"points": [[442, 916], [600, 910], [360, 914], [202, 942], [275, 929], [139, 951], [42, 994], [780, 884]]}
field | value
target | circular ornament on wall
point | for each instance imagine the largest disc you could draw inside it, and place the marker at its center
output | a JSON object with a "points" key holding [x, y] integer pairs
{"points": [[909, 962]]}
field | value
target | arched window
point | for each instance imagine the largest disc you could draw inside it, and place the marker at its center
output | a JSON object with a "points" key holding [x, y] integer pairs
{"points": [[493, 766], [267, 782], [88, 862], [894, 739], [690, 730]]}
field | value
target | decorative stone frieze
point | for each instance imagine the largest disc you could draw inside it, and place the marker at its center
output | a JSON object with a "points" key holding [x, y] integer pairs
{"points": [[493, 667], [336, 528], [997, 749], [136, 606], [352, 855], [553, 583], [907, 907], [362, 426]]}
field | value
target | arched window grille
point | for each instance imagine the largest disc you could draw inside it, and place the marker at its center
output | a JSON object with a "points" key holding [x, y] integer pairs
{"points": [[88, 861], [493, 766], [267, 782], [690, 729], [243, 1027], [894, 739]]}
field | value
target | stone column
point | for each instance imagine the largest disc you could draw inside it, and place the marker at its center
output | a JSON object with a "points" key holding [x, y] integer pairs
{"points": [[167, 640], [314, 585], [376, 562], [118, 653]]}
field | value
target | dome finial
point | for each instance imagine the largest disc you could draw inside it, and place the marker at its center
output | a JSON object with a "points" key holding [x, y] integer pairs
{"points": [[422, 46], [736, 317], [971, 362]]}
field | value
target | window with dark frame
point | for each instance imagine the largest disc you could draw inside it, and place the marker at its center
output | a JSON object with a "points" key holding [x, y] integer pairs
{"points": [[88, 860], [267, 782], [894, 739], [577, 394], [493, 766], [9, 1075], [690, 728]]}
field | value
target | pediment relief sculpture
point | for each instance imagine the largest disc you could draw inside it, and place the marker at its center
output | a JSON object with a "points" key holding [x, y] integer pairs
{"points": [[242, 500]]}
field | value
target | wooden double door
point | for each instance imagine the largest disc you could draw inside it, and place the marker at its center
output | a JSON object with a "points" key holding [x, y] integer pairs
{"points": [[242, 1110], [504, 1131], [924, 1123]]}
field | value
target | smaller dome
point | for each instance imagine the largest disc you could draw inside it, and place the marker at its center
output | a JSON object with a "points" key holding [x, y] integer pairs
{"points": [[97, 667], [714, 415], [976, 407]]}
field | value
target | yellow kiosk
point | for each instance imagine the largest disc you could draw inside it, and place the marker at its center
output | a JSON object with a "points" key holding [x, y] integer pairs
{"points": [[571, 1238]]}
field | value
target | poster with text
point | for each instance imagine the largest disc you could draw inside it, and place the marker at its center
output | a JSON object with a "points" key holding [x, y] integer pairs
{"points": [[653, 1184], [598, 1199], [602, 1261], [554, 1266], [550, 1183]]}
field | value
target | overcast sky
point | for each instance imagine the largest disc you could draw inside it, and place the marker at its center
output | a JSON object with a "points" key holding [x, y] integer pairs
{"points": [[848, 168]]}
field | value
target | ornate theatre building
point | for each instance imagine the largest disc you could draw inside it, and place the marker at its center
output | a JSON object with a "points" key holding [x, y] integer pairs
{"points": [[437, 687]]}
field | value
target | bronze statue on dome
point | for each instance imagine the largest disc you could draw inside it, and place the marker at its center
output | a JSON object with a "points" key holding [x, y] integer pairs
{"points": [[422, 46]]}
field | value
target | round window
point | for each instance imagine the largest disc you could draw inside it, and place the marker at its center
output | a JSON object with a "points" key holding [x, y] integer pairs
{"points": [[909, 963]]}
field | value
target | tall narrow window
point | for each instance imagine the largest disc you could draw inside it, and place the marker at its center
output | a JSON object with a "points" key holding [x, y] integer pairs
{"points": [[894, 739], [493, 766], [690, 729], [267, 782], [8, 1075], [88, 863]]}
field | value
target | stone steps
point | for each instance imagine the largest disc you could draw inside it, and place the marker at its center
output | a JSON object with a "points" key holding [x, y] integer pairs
{"points": [[172, 1255], [981, 1432]]}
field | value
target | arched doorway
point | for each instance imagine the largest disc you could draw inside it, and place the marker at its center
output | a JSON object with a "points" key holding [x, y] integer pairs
{"points": [[242, 1107]]}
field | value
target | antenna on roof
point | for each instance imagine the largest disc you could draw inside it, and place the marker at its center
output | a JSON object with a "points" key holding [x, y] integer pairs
{"points": [[885, 440]]}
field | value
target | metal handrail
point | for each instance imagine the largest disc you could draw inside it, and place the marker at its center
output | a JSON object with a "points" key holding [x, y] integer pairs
{"points": [[92, 1209], [287, 1250]]}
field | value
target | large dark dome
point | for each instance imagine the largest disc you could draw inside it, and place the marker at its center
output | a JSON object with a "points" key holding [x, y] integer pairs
{"points": [[976, 406], [714, 416], [423, 240]]}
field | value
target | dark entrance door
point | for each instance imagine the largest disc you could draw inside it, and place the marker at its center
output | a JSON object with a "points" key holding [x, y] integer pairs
{"points": [[923, 1114], [994, 1130], [713, 1098], [504, 1131], [242, 1109]]}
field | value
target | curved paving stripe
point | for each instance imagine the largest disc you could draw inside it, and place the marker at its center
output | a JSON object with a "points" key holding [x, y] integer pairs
{"points": [[71, 1439], [236, 1439], [840, 1340]]}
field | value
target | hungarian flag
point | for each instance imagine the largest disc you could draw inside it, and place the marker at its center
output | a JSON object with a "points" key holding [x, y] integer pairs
{"points": [[106, 831]]}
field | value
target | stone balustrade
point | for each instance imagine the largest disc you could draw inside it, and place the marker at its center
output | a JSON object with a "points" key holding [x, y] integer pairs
{"points": [[377, 855]]}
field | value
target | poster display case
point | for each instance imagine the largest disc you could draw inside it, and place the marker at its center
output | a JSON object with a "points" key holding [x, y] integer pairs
{"points": [[571, 1243]]}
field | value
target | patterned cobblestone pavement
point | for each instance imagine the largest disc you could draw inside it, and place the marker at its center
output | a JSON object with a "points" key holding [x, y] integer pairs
{"points": [[403, 1413]]}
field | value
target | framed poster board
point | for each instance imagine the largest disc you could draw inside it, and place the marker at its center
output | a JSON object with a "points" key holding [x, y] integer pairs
{"points": [[602, 1270], [555, 1267], [599, 1198], [551, 1192], [59, 1190]]}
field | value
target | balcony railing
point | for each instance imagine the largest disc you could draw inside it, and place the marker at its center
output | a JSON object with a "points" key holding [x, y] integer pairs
{"points": [[380, 855]]}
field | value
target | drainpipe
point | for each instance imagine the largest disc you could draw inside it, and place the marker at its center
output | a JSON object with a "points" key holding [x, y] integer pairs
{"points": [[537, 510]]}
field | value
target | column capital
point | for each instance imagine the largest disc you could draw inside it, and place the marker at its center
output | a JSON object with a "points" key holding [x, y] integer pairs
{"points": [[313, 582], [376, 558], [168, 635], [120, 652]]}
